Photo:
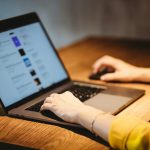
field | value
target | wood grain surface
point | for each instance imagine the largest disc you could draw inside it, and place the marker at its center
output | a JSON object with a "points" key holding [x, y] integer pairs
{"points": [[78, 59]]}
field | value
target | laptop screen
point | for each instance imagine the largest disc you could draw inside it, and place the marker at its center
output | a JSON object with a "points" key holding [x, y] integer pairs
{"points": [[28, 63]]}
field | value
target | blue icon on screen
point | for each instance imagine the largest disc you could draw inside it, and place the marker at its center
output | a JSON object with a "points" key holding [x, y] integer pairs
{"points": [[16, 41], [27, 62]]}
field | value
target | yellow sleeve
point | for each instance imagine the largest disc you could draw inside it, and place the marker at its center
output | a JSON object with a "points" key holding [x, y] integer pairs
{"points": [[130, 133]]}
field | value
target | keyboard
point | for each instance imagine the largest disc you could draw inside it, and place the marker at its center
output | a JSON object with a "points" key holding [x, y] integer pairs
{"points": [[81, 92]]}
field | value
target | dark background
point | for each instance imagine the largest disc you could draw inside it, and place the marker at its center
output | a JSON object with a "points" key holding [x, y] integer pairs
{"points": [[68, 21]]}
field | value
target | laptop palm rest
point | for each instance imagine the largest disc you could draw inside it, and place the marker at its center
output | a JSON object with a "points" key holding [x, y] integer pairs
{"points": [[108, 103]]}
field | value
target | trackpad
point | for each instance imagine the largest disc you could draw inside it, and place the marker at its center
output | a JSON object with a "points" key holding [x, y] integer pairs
{"points": [[108, 103]]}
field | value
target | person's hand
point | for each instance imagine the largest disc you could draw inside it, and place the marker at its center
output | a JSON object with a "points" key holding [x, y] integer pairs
{"points": [[71, 109], [122, 70], [65, 105]]}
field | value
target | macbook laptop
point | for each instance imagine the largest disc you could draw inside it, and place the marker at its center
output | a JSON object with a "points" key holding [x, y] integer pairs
{"points": [[30, 70]]}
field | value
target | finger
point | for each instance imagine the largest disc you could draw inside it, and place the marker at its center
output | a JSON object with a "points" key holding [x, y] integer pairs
{"points": [[99, 61], [97, 65], [53, 94], [110, 77], [47, 106], [48, 100], [54, 97], [104, 61], [56, 100]]}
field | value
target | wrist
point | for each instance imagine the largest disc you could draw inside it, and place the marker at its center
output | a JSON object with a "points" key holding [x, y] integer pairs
{"points": [[142, 74], [86, 115]]}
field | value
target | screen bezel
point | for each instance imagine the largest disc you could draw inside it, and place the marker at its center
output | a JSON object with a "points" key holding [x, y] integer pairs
{"points": [[20, 21]]}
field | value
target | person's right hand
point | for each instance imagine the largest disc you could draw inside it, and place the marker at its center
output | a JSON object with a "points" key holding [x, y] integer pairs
{"points": [[122, 71]]}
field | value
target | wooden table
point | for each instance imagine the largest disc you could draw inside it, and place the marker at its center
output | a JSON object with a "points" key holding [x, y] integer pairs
{"points": [[78, 59]]}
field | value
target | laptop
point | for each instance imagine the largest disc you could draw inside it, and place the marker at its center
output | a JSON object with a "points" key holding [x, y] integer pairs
{"points": [[31, 70]]}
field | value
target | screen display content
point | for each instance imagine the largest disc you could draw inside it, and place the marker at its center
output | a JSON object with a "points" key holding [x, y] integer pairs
{"points": [[28, 63]]}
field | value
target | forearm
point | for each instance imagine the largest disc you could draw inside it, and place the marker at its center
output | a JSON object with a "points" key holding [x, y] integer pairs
{"points": [[123, 132], [96, 121], [102, 125], [143, 75]]}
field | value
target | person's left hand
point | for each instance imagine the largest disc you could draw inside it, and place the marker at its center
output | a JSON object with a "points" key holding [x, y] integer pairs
{"points": [[65, 105]]}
